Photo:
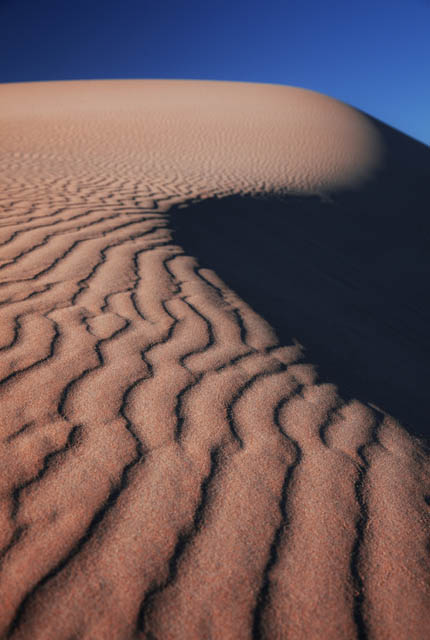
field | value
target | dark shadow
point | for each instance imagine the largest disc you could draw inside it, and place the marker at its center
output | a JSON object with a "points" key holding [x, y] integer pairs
{"points": [[349, 277]]}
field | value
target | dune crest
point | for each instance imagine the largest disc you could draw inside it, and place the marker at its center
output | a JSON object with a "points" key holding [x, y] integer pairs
{"points": [[171, 469], [212, 138]]}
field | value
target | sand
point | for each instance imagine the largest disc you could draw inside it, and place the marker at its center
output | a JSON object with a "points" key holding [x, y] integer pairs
{"points": [[214, 354]]}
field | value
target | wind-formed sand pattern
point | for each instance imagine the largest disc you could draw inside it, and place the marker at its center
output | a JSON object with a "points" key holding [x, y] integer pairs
{"points": [[171, 469]]}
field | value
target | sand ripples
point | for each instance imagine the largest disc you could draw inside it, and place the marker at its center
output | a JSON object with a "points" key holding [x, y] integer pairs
{"points": [[169, 469]]}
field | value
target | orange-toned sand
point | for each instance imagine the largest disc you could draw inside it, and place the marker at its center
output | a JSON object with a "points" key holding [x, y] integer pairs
{"points": [[171, 469]]}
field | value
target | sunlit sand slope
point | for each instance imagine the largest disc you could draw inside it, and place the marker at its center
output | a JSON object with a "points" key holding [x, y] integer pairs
{"points": [[170, 469]]}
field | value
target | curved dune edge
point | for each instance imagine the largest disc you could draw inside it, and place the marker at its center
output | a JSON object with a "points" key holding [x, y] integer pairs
{"points": [[213, 138], [169, 469]]}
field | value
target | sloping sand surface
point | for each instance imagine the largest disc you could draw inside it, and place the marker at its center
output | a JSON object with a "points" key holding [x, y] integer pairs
{"points": [[214, 353]]}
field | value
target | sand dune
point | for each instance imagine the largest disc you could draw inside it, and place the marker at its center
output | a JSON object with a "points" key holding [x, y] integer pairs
{"points": [[214, 365]]}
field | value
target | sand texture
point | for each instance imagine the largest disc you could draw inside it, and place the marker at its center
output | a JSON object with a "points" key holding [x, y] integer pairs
{"points": [[214, 362]]}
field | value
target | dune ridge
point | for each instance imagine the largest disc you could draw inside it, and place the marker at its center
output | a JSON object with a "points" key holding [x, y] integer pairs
{"points": [[170, 468]]}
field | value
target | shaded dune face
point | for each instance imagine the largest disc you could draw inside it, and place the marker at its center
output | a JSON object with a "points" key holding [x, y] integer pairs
{"points": [[205, 289]]}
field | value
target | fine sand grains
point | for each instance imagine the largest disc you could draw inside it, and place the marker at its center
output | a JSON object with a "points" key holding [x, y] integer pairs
{"points": [[169, 469]]}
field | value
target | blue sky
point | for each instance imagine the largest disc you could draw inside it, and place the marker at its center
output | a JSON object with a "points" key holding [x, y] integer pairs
{"points": [[372, 55]]}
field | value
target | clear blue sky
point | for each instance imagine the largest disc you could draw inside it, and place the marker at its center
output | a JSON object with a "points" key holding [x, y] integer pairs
{"points": [[374, 55]]}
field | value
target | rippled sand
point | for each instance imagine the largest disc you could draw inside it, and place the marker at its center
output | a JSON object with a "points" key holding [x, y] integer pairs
{"points": [[174, 466]]}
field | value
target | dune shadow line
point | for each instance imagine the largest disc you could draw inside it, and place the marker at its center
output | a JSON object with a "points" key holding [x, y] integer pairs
{"points": [[347, 276]]}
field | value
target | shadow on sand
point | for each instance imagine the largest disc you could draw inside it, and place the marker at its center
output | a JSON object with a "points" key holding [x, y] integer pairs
{"points": [[348, 277]]}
